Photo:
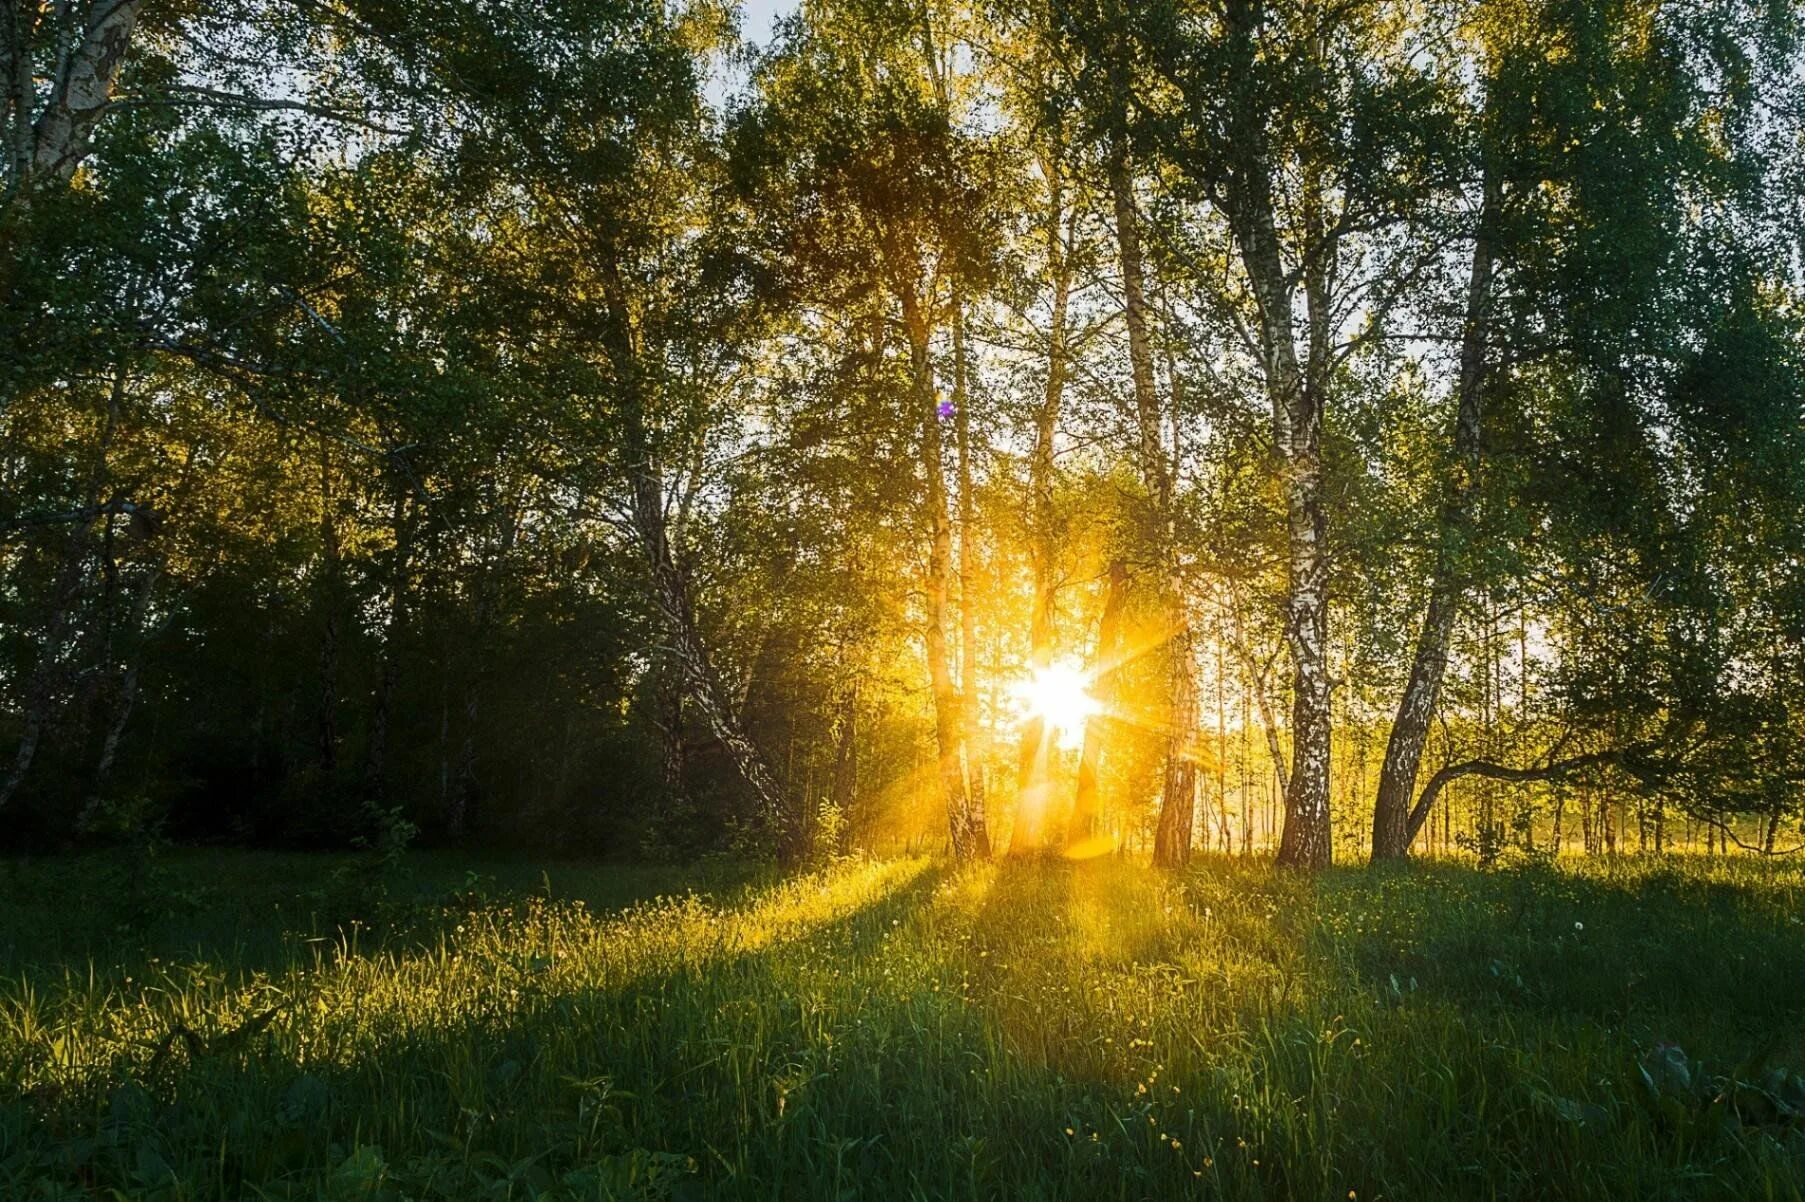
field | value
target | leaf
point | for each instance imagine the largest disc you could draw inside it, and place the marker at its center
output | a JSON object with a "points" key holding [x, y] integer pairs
{"points": [[359, 1174], [305, 1100], [151, 1168]]}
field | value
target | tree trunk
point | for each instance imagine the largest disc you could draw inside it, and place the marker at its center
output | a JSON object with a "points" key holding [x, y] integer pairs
{"points": [[331, 599], [1178, 800], [1297, 401], [948, 718], [670, 588], [400, 563], [1085, 804], [978, 831], [674, 758], [670, 583], [1178, 794], [1487, 770], [1034, 772], [1297, 433], [1140, 347], [126, 700], [41, 690], [49, 148], [42, 686], [1410, 728]]}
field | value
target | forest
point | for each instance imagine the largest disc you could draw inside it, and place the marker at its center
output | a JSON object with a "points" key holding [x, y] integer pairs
{"points": [[1253, 548]]}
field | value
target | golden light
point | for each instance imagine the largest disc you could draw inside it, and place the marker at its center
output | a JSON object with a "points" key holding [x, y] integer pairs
{"points": [[1059, 695]]}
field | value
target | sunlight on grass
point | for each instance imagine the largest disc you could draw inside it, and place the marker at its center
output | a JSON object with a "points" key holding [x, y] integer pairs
{"points": [[341, 1003], [902, 1029]]}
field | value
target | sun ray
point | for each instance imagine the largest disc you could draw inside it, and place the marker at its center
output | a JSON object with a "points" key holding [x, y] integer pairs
{"points": [[1059, 695]]}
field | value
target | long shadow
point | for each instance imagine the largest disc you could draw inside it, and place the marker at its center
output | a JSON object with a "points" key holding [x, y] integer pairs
{"points": [[247, 912], [528, 1071], [1658, 951], [848, 1060]]}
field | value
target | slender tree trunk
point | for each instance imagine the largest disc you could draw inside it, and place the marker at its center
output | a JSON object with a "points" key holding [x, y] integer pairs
{"points": [[1297, 403], [1410, 728], [948, 716], [1178, 794], [43, 685], [1297, 430], [1086, 806], [1177, 812], [400, 564], [126, 699], [1152, 456], [1034, 770], [331, 598], [965, 816], [973, 732], [670, 583], [41, 690], [844, 787], [674, 758], [670, 588]]}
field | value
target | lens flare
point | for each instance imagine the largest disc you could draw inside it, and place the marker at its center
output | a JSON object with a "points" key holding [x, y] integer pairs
{"points": [[1059, 695]]}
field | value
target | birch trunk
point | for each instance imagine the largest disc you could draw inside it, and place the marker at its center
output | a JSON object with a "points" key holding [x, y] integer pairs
{"points": [[48, 148], [125, 702], [1297, 435], [1178, 793], [400, 563], [1416, 709], [1178, 801], [670, 589], [948, 718]]}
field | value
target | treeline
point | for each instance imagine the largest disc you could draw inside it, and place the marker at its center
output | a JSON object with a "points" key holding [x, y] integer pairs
{"points": [[569, 423]]}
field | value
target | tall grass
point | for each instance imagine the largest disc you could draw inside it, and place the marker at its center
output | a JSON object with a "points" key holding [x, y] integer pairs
{"points": [[904, 1030]]}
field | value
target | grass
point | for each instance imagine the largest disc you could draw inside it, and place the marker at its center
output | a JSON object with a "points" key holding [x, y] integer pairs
{"points": [[282, 1028]]}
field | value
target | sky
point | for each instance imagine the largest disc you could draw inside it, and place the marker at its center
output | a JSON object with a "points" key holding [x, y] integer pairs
{"points": [[757, 17]]}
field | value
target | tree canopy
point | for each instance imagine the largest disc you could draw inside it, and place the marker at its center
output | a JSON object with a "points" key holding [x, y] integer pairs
{"points": [[1324, 428]]}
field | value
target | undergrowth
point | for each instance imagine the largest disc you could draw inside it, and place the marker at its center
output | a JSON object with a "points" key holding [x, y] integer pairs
{"points": [[906, 1030]]}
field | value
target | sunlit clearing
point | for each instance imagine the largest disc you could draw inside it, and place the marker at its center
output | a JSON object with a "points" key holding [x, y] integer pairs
{"points": [[1059, 695]]}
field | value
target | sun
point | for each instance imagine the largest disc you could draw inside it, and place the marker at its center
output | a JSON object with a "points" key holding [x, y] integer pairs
{"points": [[1059, 695]]}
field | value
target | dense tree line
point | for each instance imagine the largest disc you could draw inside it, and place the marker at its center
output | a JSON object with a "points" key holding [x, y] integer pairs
{"points": [[571, 423]]}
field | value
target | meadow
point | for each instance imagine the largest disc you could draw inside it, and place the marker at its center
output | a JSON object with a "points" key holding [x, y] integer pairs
{"points": [[245, 1025]]}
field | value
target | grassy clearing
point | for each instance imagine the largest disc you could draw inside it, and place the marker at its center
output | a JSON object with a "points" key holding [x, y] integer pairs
{"points": [[900, 1030]]}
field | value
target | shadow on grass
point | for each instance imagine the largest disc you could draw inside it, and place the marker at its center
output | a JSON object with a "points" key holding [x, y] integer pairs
{"points": [[1651, 949], [520, 1094], [1036, 1031], [249, 911]]}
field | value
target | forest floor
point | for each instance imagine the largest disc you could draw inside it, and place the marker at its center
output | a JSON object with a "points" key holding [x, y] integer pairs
{"points": [[236, 1025]]}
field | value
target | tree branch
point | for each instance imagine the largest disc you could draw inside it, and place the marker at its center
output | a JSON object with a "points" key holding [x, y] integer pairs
{"points": [[1556, 770], [191, 94]]}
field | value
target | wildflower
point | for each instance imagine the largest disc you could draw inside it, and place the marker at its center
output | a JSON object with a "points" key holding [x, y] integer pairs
{"points": [[1579, 926], [1069, 1131]]}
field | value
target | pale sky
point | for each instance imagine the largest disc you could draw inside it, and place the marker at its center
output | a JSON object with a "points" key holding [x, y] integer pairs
{"points": [[757, 17]]}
